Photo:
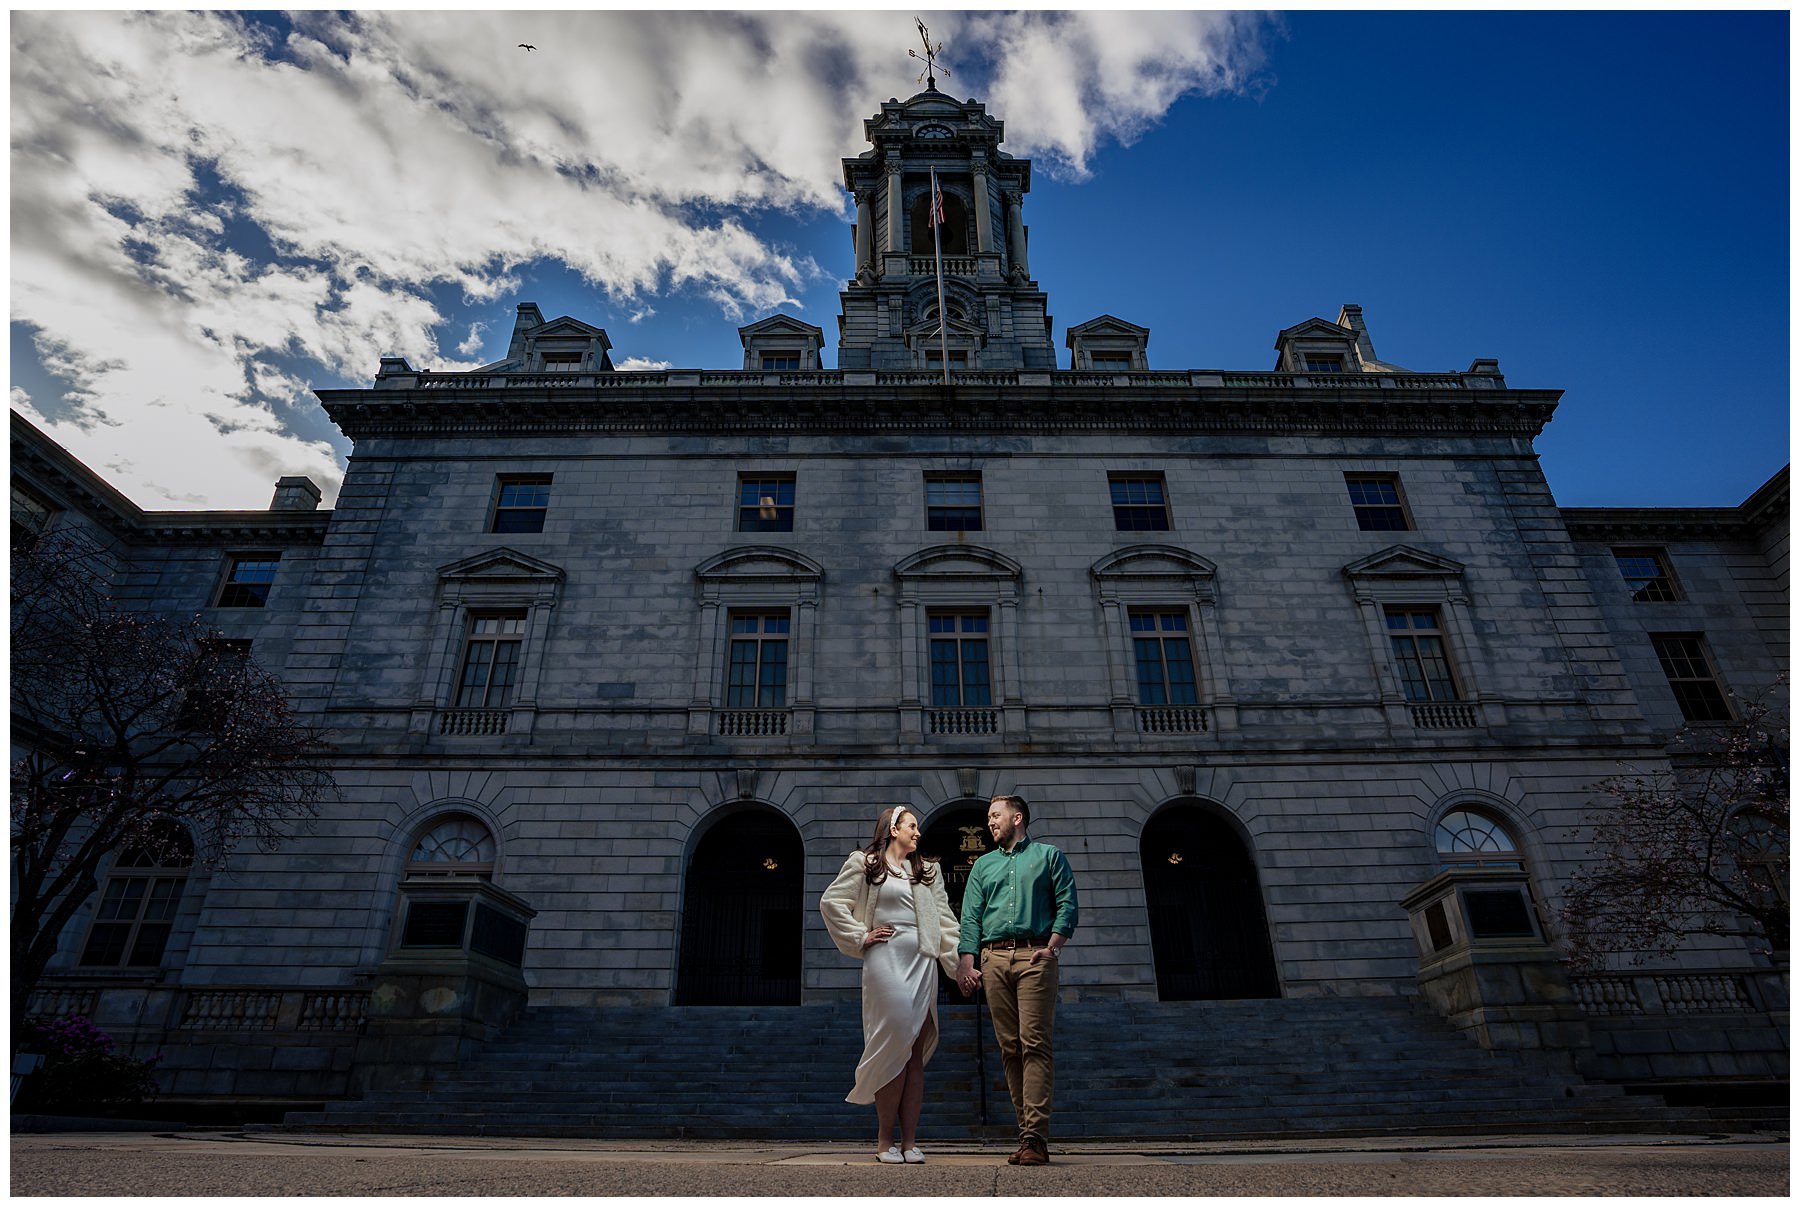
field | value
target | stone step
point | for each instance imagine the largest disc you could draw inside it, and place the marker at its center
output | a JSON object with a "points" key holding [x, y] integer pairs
{"points": [[1353, 1066]]}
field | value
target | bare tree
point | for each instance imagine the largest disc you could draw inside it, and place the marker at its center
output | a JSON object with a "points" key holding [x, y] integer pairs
{"points": [[1698, 849], [127, 722]]}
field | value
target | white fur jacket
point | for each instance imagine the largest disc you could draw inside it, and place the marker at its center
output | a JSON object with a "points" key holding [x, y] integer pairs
{"points": [[849, 910]]}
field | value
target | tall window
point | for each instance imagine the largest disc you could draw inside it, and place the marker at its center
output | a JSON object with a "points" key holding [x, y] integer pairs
{"points": [[1165, 661], [1419, 655], [1139, 502], [1647, 575], [1685, 661], [953, 502], [766, 503], [137, 907], [959, 660], [30, 516], [1379, 506], [490, 667], [757, 674], [248, 580], [1467, 839], [522, 504], [218, 679]]}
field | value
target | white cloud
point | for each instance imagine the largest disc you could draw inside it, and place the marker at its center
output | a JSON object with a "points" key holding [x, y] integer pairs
{"points": [[638, 316], [640, 364], [159, 156], [472, 343]]}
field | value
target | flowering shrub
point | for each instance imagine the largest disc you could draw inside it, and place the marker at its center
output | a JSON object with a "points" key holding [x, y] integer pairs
{"points": [[82, 1069]]}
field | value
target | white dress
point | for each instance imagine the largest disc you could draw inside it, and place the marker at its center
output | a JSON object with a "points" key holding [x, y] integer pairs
{"points": [[899, 992]]}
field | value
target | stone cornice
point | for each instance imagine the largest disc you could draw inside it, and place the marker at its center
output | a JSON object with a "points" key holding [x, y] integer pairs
{"points": [[81, 487], [1610, 525], [833, 402], [1652, 525]]}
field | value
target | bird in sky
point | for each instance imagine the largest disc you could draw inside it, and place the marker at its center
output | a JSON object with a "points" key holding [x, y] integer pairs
{"points": [[526, 46]]}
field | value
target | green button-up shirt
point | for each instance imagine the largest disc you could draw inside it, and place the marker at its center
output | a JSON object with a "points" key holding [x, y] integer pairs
{"points": [[1025, 893]]}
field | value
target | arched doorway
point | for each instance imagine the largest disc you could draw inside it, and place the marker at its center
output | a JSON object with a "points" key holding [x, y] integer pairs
{"points": [[1207, 928], [741, 914], [956, 838]]}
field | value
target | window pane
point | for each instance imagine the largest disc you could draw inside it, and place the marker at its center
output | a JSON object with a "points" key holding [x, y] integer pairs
{"points": [[1183, 687], [766, 504], [774, 675], [147, 951], [975, 674], [946, 684], [741, 692], [106, 944], [1151, 687]]}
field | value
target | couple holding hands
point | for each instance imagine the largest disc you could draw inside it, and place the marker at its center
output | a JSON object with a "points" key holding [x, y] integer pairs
{"points": [[888, 907]]}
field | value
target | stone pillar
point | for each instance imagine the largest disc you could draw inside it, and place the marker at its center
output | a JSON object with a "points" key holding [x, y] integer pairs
{"points": [[896, 199], [1015, 234], [984, 220], [865, 235], [705, 660]]}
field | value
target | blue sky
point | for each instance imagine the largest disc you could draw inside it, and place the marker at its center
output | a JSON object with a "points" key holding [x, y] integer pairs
{"points": [[1597, 200]]}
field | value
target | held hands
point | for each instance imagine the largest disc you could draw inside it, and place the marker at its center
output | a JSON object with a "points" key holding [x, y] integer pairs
{"points": [[881, 934], [967, 976]]}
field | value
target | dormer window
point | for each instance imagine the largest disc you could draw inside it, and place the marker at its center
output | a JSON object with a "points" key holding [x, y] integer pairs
{"points": [[781, 361], [1319, 363], [1111, 362], [562, 362]]}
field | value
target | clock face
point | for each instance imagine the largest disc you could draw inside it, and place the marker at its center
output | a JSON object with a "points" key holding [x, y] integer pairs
{"points": [[935, 132]]}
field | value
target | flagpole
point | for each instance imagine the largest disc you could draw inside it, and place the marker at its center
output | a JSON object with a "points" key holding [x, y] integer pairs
{"points": [[937, 242]]}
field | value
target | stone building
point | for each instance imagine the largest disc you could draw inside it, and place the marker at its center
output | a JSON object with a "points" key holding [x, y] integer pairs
{"points": [[1304, 669]]}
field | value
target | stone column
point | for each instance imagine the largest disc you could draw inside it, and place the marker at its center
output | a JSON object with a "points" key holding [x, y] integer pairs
{"points": [[700, 706], [896, 229], [984, 222], [865, 234], [1015, 234]]}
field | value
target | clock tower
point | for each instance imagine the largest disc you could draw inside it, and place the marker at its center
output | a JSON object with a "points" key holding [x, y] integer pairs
{"points": [[997, 317]]}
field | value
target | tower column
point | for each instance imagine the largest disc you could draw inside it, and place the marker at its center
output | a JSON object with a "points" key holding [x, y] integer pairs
{"points": [[896, 229], [865, 234], [1015, 234], [984, 222]]}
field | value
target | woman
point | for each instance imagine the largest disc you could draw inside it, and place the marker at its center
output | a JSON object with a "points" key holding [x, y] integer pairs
{"points": [[888, 909]]}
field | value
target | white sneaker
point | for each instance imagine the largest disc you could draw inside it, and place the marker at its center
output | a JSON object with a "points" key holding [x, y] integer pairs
{"points": [[891, 1156], [913, 1156]]}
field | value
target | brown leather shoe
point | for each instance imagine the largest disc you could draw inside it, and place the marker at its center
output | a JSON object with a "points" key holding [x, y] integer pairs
{"points": [[1034, 1152], [1013, 1159]]}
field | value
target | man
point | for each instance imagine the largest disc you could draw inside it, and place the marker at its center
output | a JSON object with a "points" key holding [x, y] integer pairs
{"points": [[1018, 909]]}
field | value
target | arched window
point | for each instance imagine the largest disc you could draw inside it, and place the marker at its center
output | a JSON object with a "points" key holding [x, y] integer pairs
{"points": [[955, 229], [456, 845], [1467, 839], [137, 906]]}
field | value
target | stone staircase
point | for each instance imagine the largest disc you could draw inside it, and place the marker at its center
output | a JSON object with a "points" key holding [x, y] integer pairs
{"points": [[1362, 1066]]}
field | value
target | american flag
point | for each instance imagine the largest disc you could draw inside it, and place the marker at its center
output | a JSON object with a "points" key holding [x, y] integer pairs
{"points": [[937, 201]]}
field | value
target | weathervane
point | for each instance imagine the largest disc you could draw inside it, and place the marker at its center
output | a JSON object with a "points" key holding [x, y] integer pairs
{"points": [[930, 56]]}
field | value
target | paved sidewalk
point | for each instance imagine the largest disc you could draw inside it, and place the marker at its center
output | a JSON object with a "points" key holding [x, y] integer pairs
{"points": [[235, 1162]]}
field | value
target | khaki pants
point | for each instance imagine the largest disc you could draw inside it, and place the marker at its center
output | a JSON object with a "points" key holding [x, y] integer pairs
{"points": [[1021, 996]]}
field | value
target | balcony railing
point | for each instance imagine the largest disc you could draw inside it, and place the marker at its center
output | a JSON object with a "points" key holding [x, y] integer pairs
{"points": [[962, 721], [956, 266], [753, 723], [476, 722], [1662, 992], [1172, 720], [1444, 716]]}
